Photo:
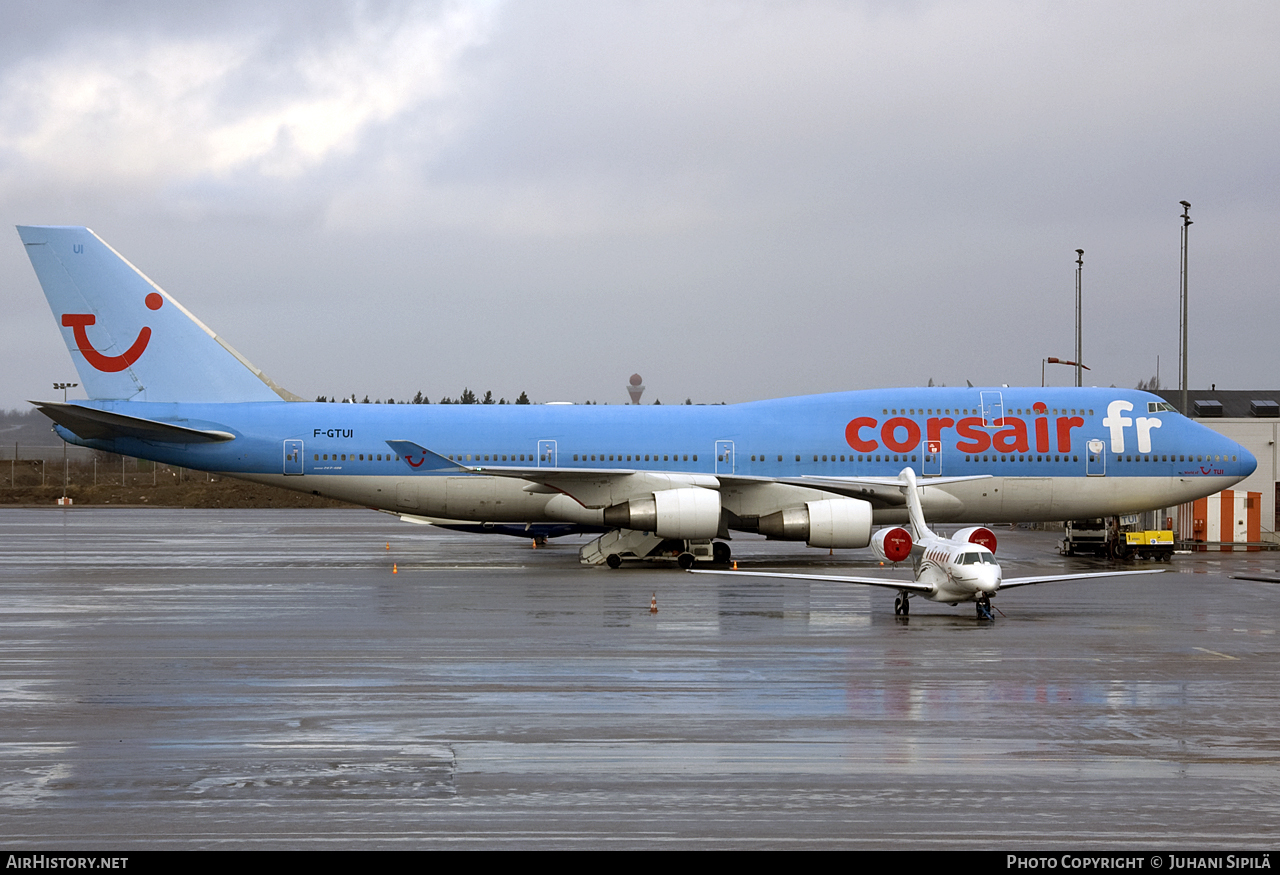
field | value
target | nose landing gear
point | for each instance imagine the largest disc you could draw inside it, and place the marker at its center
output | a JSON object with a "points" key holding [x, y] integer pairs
{"points": [[984, 608]]}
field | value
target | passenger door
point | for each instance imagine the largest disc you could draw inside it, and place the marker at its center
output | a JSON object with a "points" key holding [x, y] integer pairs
{"points": [[1095, 459], [293, 457], [992, 410], [547, 454], [724, 457]]}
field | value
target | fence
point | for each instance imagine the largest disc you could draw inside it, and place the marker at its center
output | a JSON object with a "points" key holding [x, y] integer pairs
{"points": [[28, 465]]}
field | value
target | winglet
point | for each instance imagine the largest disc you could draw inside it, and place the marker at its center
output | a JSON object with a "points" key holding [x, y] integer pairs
{"points": [[914, 509], [424, 461]]}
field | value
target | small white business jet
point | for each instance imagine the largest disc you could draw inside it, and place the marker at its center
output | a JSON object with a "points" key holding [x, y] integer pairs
{"points": [[961, 568]]}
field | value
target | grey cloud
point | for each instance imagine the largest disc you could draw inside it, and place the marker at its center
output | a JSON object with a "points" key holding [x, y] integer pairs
{"points": [[736, 200]]}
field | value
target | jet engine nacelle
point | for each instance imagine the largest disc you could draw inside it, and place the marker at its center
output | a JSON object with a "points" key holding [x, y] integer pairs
{"points": [[691, 513], [979, 535], [891, 545], [834, 522]]}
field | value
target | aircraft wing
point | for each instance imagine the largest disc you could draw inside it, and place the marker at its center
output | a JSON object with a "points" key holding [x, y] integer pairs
{"points": [[1011, 582], [600, 487], [887, 583], [590, 487], [879, 491]]}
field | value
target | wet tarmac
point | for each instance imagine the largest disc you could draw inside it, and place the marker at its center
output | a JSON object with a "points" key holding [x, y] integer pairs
{"points": [[261, 679]]}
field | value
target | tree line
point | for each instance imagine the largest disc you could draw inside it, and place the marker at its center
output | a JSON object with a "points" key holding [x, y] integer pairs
{"points": [[467, 397]]}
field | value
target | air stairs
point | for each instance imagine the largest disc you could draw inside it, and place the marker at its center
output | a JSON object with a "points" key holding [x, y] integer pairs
{"points": [[622, 543]]}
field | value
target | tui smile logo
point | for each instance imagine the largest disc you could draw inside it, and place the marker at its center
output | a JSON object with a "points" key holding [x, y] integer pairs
{"points": [[110, 364]]}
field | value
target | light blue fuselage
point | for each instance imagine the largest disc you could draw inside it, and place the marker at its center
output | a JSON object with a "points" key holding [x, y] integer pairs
{"points": [[1037, 437], [820, 468]]}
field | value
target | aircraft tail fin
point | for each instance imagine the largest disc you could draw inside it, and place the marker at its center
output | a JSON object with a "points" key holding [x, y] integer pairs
{"points": [[914, 508], [129, 339]]}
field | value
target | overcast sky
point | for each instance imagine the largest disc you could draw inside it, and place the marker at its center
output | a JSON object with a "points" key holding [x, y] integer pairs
{"points": [[737, 200]]}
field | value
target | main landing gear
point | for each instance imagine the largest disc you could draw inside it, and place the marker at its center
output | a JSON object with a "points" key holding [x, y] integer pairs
{"points": [[901, 605]]}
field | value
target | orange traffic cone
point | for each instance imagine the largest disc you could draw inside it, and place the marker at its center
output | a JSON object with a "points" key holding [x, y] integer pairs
{"points": [[653, 604], [394, 569]]}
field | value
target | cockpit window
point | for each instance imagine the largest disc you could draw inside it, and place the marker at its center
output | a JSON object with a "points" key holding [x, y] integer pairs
{"points": [[1160, 407], [977, 559]]}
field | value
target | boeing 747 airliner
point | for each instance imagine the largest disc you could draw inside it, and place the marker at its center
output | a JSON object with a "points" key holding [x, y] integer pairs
{"points": [[821, 469]]}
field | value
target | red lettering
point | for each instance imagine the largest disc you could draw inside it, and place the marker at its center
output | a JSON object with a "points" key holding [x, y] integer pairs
{"points": [[1042, 435], [889, 434], [978, 440], [854, 439], [1065, 424], [1013, 439], [934, 427]]}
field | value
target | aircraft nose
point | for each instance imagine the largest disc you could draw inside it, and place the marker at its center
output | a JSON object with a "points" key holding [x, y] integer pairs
{"points": [[1248, 462]]}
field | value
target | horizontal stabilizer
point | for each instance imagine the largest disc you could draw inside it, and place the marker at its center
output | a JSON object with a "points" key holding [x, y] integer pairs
{"points": [[90, 425]]}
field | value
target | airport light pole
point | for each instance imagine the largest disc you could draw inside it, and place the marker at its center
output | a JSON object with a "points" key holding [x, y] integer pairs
{"points": [[64, 387], [1182, 347], [1053, 360], [1079, 351]]}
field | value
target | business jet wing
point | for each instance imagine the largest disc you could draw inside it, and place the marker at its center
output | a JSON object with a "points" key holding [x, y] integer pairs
{"points": [[1010, 582], [887, 583]]}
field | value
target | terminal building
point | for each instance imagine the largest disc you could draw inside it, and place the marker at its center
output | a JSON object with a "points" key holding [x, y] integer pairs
{"points": [[1249, 511]]}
